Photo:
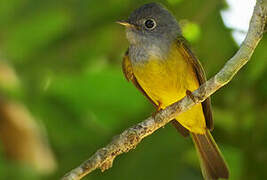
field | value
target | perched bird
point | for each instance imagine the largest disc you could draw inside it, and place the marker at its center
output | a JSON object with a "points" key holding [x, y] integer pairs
{"points": [[161, 65]]}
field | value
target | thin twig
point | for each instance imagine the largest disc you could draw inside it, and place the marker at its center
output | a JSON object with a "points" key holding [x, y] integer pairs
{"points": [[129, 138]]}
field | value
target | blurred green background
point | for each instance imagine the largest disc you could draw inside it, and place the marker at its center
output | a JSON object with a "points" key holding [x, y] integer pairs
{"points": [[60, 62]]}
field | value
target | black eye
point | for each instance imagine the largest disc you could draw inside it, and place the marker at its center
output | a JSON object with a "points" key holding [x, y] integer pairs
{"points": [[150, 24]]}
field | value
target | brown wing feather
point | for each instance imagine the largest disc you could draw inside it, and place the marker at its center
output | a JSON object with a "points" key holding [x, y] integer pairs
{"points": [[128, 73], [187, 53]]}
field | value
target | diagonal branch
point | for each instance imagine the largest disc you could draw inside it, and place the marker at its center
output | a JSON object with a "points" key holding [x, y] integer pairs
{"points": [[129, 138]]}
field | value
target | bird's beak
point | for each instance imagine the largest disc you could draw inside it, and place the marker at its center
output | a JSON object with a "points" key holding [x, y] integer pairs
{"points": [[125, 23]]}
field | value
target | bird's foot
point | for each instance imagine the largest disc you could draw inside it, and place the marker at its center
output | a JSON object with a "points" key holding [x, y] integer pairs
{"points": [[189, 93], [159, 107]]}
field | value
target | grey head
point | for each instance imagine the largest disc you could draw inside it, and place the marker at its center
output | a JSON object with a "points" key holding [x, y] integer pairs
{"points": [[150, 29]]}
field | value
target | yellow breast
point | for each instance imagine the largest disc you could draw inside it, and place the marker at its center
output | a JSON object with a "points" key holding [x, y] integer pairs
{"points": [[166, 80]]}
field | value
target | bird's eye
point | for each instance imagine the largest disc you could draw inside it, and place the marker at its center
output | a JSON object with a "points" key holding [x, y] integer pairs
{"points": [[150, 24]]}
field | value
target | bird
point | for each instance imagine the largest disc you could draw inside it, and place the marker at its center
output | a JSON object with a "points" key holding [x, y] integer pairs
{"points": [[160, 63]]}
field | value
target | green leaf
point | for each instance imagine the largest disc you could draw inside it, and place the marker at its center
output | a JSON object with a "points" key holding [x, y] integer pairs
{"points": [[191, 31]]}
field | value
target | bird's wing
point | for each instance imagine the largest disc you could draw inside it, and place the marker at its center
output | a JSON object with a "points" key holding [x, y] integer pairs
{"points": [[128, 73], [188, 54]]}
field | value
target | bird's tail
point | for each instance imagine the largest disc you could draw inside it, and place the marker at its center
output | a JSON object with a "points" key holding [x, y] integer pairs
{"points": [[212, 162]]}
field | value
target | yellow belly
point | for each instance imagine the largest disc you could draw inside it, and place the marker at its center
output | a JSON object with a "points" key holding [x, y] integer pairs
{"points": [[166, 81]]}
